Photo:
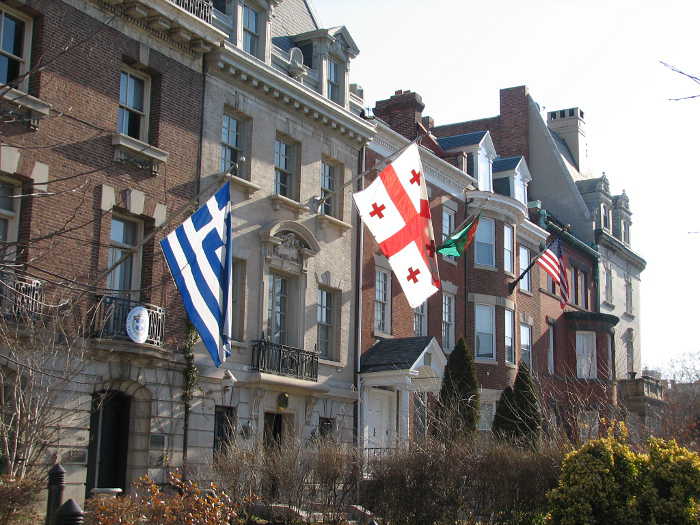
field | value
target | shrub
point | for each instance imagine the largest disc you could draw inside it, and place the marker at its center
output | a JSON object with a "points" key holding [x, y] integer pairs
{"points": [[606, 482], [18, 499], [458, 410], [184, 504]]}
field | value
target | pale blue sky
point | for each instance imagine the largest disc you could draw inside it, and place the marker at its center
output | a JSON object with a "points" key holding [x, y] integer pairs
{"points": [[600, 56]]}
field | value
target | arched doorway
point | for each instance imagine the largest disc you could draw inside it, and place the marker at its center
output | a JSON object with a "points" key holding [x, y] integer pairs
{"points": [[109, 440]]}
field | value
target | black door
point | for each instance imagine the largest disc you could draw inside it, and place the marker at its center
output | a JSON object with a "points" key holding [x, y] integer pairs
{"points": [[109, 441], [273, 429]]}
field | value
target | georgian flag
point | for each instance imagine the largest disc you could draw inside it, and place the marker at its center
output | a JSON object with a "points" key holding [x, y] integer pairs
{"points": [[396, 209]]}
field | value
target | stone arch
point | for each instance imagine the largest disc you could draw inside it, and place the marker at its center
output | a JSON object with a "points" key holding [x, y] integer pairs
{"points": [[139, 426], [298, 229]]}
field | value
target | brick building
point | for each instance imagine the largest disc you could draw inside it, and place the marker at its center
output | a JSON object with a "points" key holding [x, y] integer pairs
{"points": [[569, 351]]}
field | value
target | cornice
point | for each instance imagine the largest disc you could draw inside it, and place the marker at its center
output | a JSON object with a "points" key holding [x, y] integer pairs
{"points": [[605, 239], [230, 63], [497, 205]]}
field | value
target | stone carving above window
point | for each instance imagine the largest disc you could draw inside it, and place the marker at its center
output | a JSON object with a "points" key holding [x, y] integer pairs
{"points": [[290, 248]]}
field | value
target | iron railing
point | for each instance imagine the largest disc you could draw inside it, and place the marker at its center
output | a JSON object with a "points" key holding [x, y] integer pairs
{"points": [[284, 360], [199, 8], [110, 319], [21, 296]]}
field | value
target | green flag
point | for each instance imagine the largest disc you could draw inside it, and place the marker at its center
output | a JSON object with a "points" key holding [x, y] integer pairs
{"points": [[461, 238]]}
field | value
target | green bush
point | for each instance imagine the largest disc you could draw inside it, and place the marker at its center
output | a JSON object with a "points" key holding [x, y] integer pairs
{"points": [[606, 482]]}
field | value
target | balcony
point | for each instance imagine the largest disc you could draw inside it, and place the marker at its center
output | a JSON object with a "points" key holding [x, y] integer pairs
{"points": [[199, 8], [21, 297], [111, 317], [284, 360]]}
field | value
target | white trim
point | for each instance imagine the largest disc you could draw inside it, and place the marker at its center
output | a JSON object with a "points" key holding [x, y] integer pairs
{"points": [[146, 113], [26, 59]]}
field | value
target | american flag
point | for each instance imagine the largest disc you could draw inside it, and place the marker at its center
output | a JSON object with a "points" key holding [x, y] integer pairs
{"points": [[552, 260]]}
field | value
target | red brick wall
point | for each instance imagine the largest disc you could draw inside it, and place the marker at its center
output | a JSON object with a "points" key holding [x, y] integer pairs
{"points": [[83, 88]]}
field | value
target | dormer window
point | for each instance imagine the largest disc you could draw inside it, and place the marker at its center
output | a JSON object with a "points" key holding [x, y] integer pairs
{"points": [[484, 173], [606, 218], [626, 232], [251, 30], [334, 83], [511, 177]]}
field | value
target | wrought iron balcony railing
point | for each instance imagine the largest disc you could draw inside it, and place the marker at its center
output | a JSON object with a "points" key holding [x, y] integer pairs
{"points": [[284, 360], [20, 296], [199, 8], [112, 313]]}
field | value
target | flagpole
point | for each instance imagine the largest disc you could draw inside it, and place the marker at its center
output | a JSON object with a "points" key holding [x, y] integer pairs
{"points": [[513, 284]]}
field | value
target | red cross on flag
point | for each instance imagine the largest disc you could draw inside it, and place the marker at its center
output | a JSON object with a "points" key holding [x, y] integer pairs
{"points": [[396, 210]]}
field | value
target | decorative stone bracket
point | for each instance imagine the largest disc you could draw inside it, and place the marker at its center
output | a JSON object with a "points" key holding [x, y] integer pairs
{"points": [[142, 155], [29, 108]]}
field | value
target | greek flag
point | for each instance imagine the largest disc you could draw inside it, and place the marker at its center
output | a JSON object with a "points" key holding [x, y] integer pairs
{"points": [[200, 257]]}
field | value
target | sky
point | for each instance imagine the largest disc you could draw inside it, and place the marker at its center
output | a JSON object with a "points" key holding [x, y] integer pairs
{"points": [[600, 56]]}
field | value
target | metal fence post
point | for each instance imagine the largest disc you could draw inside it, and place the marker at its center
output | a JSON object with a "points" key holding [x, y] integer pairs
{"points": [[70, 513], [57, 477]]}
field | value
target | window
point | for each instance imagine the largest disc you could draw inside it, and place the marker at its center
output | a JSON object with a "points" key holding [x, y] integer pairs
{"points": [[526, 345], [328, 175], [551, 342], [562, 113], [448, 322], [584, 289], [448, 226], [133, 110], [285, 168], [509, 328], [326, 324], [484, 175], [238, 298], [382, 322], [220, 5], [487, 412], [609, 285], [470, 164], [629, 349], [524, 260], [420, 320], [508, 248], [326, 427], [606, 218], [484, 251], [230, 143], [334, 82], [484, 331], [8, 216], [585, 355], [224, 427], [551, 285], [626, 232], [251, 35], [124, 236], [628, 297], [14, 52], [520, 189], [277, 309], [575, 282]]}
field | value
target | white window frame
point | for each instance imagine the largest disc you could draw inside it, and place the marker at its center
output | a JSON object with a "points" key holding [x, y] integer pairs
{"points": [[448, 322], [420, 320], [629, 296], [133, 292], [145, 114], [382, 302], [284, 328], [484, 169], [491, 242], [490, 310], [509, 335], [508, 259], [586, 365], [330, 321], [254, 35], [233, 148], [331, 171], [12, 215], [526, 344], [334, 86], [448, 226], [291, 169], [525, 253], [25, 59]]}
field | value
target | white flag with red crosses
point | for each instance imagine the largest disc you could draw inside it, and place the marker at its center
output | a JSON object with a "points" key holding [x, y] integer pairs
{"points": [[396, 209]]}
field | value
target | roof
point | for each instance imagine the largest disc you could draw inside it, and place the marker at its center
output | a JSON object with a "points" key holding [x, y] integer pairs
{"points": [[458, 141], [393, 354], [506, 163]]}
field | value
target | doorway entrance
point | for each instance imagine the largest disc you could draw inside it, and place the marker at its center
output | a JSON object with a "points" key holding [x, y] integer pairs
{"points": [[109, 440], [278, 427]]}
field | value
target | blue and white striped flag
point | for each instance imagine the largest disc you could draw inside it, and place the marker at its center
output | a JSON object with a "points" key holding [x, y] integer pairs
{"points": [[200, 256]]}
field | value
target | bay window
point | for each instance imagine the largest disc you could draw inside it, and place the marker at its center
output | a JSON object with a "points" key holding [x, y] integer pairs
{"points": [[484, 254], [586, 366], [485, 332]]}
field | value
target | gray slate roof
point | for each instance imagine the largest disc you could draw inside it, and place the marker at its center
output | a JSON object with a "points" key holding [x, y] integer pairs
{"points": [[458, 141], [505, 163], [393, 354]]}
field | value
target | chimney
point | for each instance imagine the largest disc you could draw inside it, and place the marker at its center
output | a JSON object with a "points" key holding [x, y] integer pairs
{"points": [[402, 112], [428, 123], [570, 126]]}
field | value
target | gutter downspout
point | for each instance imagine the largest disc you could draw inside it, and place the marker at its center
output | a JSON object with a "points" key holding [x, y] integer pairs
{"points": [[359, 247]]}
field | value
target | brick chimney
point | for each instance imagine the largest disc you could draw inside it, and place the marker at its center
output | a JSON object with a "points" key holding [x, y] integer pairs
{"points": [[402, 112]]}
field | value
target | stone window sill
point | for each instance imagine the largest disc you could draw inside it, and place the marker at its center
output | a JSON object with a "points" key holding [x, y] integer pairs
{"points": [[248, 187], [449, 259], [628, 316], [330, 220], [38, 109], [280, 200], [382, 335], [485, 361], [330, 362], [130, 150], [608, 304], [526, 292], [488, 268]]}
